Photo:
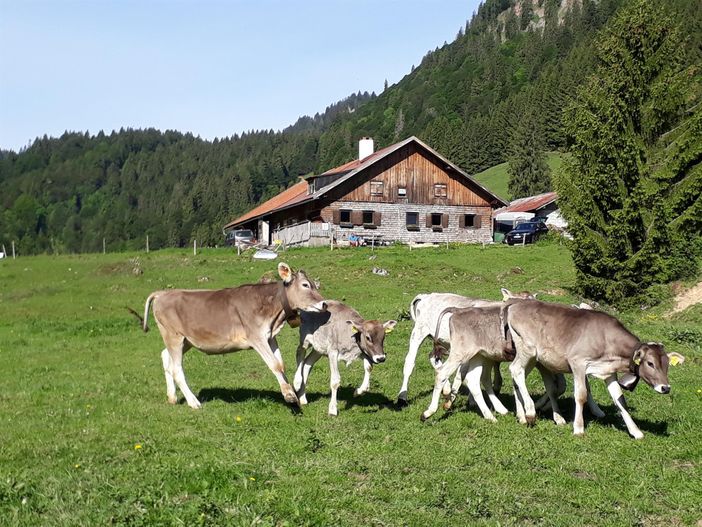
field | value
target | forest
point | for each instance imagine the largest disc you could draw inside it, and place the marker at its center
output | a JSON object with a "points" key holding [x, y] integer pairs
{"points": [[496, 93]]}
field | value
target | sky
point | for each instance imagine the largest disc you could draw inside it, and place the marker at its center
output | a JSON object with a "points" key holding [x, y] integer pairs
{"points": [[213, 68]]}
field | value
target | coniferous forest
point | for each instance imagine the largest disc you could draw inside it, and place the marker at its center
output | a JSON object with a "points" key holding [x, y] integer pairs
{"points": [[497, 92]]}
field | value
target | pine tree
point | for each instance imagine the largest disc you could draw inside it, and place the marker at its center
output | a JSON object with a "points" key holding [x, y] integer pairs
{"points": [[528, 172], [633, 184]]}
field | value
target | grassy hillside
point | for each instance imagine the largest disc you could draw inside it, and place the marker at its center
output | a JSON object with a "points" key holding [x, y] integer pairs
{"points": [[496, 178], [87, 438]]}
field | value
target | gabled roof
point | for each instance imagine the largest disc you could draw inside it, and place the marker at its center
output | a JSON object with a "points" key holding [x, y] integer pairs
{"points": [[298, 193], [531, 203]]}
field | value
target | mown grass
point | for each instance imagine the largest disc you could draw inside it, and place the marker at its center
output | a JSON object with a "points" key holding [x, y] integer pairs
{"points": [[87, 438], [496, 178]]}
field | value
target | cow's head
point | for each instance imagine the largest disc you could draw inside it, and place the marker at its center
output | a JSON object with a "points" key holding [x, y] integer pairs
{"points": [[370, 336], [524, 295], [650, 363], [300, 291]]}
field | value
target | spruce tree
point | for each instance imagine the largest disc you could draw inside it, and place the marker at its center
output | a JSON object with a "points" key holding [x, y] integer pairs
{"points": [[528, 172], [631, 188]]}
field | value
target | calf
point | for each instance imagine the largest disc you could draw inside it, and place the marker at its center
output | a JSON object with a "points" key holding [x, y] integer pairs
{"points": [[476, 336], [563, 339], [227, 320], [340, 333], [425, 310]]}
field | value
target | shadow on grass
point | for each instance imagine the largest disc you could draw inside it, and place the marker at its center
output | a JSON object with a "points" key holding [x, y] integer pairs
{"points": [[237, 395], [368, 399]]}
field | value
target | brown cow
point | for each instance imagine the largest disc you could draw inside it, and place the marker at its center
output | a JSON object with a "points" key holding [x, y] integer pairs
{"points": [[565, 339], [228, 320]]}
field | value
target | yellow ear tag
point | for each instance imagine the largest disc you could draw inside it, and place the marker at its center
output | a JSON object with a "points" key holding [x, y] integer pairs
{"points": [[637, 360], [354, 329], [674, 360], [388, 330]]}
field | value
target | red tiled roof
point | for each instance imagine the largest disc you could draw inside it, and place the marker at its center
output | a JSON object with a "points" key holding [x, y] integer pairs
{"points": [[531, 203], [291, 195]]}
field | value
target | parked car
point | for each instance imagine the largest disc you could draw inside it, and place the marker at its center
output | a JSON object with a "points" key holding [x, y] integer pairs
{"points": [[240, 237], [527, 232]]}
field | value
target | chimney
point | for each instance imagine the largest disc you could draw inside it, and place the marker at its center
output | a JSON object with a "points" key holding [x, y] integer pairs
{"points": [[365, 147]]}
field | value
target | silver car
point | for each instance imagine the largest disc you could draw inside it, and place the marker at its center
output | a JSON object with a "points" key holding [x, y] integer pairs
{"points": [[240, 237]]}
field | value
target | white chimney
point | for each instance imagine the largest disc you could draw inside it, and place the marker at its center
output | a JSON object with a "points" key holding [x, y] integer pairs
{"points": [[365, 147]]}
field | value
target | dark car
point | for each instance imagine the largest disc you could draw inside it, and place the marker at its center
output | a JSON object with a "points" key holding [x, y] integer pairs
{"points": [[527, 232], [240, 237]]}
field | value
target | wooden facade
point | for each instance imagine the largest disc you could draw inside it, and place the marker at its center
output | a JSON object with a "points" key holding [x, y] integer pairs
{"points": [[406, 192]]}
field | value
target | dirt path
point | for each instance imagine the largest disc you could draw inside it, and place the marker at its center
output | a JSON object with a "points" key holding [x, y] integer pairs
{"points": [[688, 298]]}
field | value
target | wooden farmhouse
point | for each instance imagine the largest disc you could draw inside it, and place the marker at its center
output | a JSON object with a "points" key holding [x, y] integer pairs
{"points": [[406, 192]]}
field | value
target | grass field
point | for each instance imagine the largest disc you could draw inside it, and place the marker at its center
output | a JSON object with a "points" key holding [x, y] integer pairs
{"points": [[87, 437], [496, 178]]}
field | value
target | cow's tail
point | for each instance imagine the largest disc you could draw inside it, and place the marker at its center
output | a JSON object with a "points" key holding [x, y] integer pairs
{"points": [[438, 348], [145, 318], [413, 307], [507, 342]]}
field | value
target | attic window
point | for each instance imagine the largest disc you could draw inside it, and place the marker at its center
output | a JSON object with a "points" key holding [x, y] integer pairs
{"points": [[401, 191], [376, 188], [440, 190]]}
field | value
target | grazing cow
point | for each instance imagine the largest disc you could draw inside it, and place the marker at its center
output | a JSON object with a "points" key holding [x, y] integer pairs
{"points": [[340, 333], [563, 339], [227, 320], [477, 339], [425, 310]]}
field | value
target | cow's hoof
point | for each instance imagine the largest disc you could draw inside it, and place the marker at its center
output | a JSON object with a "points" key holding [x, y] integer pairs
{"points": [[638, 435], [401, 403], [558, 419], [423, 417], [597, 414], [530, 420], [291, 398], [333, 414], [195, 405], [172, 400], [357, 393], [302, 400], [448, 405]]}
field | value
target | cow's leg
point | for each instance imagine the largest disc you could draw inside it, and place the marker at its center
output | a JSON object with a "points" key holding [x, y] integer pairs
{"points": [[524, 405], [550, 382], [496, 379], [442, 376], [618, 397], [416, 339], [170, 382], [299, 361], [305, 369], [334, 380], [367, 369], [489, 367], [270, 357], [177, 346], [560, 387], [457, 381], [580, 396], [475, 372], [595, 410]]}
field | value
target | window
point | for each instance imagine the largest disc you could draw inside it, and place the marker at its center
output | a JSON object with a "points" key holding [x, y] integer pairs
{"points": [[470, 221], [436, 220], [402, 192], [367, 217], [376, 188], [344, 216], [412, 221], [440, 190]]}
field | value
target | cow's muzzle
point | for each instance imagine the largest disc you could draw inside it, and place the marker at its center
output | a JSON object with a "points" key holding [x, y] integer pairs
{"points": [[319, 307], [662, 388], [379, 359]]}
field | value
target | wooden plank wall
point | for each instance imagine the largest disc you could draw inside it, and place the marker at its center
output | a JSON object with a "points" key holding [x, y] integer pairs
{"points": [[417, 172]]}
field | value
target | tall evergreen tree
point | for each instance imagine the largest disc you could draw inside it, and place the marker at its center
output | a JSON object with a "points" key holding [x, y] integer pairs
{"points": [[632, 187], [528, 172]]}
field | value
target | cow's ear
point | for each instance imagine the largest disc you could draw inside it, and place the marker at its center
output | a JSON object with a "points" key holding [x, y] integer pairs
{"points": [[675, 358], [353, 326], [285, 272], [638, 355], [390, 325], [506, 294], [534, 295]]}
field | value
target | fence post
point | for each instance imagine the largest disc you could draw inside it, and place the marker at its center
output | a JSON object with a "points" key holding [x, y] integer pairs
{"points": [[103, 246], [13, 249], [147, 243], [194, 247]]}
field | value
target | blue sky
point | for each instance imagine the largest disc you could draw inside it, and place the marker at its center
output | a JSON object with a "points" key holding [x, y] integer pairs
{"points": [[213, 68]]}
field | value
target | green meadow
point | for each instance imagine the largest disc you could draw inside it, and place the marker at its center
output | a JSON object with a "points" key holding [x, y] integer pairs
{"points": [[88, 438]]}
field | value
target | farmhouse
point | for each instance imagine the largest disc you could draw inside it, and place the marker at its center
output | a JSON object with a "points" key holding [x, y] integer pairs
{"points": [[406, 192]]}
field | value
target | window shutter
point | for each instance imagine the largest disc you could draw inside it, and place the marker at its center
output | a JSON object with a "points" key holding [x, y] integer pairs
{"points": [[376, 217], [336, 216], [462, 221], [476, 221], [357, 217], [444, 220], [428, 220]]}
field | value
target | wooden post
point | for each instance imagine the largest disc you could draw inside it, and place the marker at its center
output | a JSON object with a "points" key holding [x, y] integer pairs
{"points": [[103, 246], [194, 247], [13, 249], [4, 251], [147, 243]]}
